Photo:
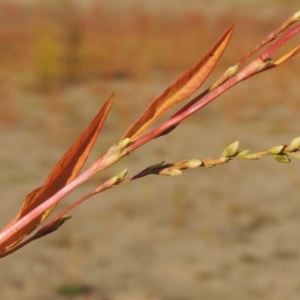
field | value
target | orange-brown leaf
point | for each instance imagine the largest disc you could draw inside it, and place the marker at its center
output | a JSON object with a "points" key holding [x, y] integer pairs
{"points": [[65, 171], [287, 56], [189, 82]]}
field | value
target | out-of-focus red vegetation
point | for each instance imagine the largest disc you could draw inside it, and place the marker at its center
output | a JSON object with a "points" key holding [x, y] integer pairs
{"points": [[44, 45]]}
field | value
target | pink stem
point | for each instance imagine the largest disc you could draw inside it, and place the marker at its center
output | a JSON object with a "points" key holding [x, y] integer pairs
{"points": [[177, 118], [281, 41], [55, 199]]}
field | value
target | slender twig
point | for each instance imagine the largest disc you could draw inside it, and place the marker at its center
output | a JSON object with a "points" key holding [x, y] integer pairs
{"points": [[230, 78]]}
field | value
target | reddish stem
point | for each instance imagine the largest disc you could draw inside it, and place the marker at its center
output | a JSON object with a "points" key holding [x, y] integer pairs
{"points": [[281, 41], [203, 99]]}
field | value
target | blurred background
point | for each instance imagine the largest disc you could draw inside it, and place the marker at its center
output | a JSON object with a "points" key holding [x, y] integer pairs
{"points": [[231, 232]]}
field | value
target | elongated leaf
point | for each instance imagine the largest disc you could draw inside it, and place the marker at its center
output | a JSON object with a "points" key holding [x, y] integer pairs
{"points": [[189, 82], [287, 56], [65, 171]]}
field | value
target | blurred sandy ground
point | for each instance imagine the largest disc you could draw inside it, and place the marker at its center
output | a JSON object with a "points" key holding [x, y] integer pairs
{"points": [[230, 232]]}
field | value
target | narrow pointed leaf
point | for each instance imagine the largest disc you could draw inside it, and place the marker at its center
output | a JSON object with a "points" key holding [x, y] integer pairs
{"points": [[188, 83], [287, 56], [65, 171]]}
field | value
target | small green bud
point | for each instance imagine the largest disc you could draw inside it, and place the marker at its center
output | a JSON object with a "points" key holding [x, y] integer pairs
{"points": [[296, 16], [210, 163], [295, 144], [242, 153], [124, 143], [276, 149], [222, 160], [170, 172], [175, 172], [117, 148], [251, 157], [231, 150], [122, 174], [109, 183], [194, 163], [282, 158], [231, 71]]}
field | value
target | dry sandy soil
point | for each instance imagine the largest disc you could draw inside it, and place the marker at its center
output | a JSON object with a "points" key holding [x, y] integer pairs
{"points": [[231, 232]]}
